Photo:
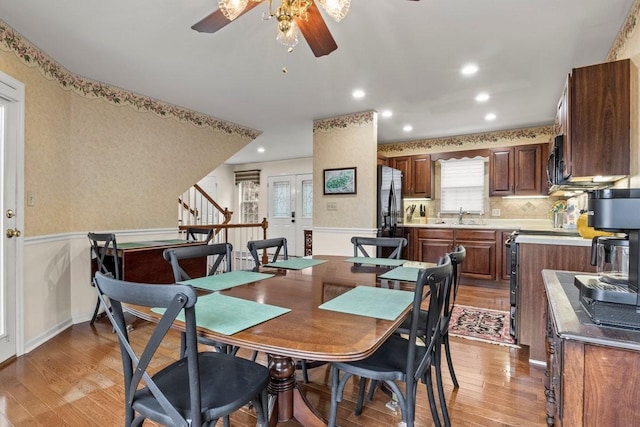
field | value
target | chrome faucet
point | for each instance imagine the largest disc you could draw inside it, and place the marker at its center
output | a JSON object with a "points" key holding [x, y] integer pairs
{"points": [[461, 214]]}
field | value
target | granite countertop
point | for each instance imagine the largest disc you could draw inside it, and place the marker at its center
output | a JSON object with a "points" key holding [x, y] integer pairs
{"points": [[572, 322], [553, 240], [537, 225]]}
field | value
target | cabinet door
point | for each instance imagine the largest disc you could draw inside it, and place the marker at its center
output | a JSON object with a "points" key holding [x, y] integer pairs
{"points": [[421, 172], [601, 118], [480, 260], [430, 250], [501, 166], [528, 170], [404, 165], [564, 125]]}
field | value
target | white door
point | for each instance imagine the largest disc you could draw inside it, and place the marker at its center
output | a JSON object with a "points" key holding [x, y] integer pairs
{"points": [[290, 209], [11, 143]]}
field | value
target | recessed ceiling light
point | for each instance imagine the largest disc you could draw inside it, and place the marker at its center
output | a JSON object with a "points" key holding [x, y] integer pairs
{"points": [[482, 97], [387, 113], [407, 128], [490, 116], [469, 69], [260, 149], [358, 93]]}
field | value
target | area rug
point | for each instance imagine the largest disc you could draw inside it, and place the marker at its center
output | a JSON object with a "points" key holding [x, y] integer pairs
{"points": [[481, 324]]}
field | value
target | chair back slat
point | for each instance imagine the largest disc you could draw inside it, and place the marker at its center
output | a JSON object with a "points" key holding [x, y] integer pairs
{"points": [[199, 234], [438, 279], [104, 250], [218, 251], [397, 243], [277, 243]]}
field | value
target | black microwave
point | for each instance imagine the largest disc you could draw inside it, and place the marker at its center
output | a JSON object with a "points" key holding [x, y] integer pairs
{"points": [[555, 163]]}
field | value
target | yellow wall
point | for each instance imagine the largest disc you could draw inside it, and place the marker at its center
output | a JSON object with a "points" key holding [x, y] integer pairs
{"points": [[343, 142], [102, 158]]}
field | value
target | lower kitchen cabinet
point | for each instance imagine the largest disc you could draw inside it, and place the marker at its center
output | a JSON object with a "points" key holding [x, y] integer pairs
{"points": [[531, 300], [592, 371], [480, 262]]}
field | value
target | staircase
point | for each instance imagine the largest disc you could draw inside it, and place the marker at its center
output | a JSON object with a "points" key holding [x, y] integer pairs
{"points": [[196, 208]]}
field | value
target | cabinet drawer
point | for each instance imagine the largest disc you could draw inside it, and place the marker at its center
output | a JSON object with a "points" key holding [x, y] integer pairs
{"points": [[435, 233], [475, 235]]}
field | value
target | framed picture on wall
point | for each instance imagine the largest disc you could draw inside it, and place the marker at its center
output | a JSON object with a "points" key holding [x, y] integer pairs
{"points": [[340, 181]]}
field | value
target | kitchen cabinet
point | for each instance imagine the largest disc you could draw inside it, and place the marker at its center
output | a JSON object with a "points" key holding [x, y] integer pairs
{"points": [[596, 115], [531, 300], [417, 175], [518, 171], [592, 371], [382, 160], [480, 262]]}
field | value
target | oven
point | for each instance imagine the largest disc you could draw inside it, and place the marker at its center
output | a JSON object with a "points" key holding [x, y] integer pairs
{"points": [[512, 262]]}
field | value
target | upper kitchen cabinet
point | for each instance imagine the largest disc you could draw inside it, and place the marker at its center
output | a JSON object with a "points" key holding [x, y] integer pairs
{"points": [[597, 117], [518, 171], [417, 175]]}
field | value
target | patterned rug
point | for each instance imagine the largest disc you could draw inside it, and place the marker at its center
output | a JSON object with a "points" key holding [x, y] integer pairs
{"points": [[481, 324]]}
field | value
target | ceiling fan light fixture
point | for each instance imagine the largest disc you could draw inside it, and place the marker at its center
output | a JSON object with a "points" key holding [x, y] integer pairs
{"points": [[289, 35], [337, 9], [231, 9]]}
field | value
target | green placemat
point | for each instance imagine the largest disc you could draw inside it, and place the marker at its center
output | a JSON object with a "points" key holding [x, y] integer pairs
{"points": [[134, 245], [218, 282], [296, 263], [376, 261], [370, 301], [407, 274], [227, 315]]}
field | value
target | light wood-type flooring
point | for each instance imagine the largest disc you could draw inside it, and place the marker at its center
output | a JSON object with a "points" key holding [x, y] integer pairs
{"points": [[75, 379]]}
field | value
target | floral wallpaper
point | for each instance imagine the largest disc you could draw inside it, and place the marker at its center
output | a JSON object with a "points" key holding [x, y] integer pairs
{"points": [[30, 55]]}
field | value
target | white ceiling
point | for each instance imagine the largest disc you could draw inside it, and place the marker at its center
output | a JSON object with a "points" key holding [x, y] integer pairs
{"points": [[406, 55]]}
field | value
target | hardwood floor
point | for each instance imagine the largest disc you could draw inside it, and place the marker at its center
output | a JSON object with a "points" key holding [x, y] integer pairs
{"points": [[75, 379]]}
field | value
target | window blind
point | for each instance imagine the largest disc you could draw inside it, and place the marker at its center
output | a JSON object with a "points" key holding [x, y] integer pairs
{"points": [[249, 175], [462, 185]]}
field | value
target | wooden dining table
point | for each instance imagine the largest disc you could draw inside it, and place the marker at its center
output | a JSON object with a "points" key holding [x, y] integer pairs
{"points": [[306, 331]]}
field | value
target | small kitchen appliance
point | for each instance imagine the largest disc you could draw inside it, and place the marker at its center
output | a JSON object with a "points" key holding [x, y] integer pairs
{"points": [[611, 257], [618, 304]]}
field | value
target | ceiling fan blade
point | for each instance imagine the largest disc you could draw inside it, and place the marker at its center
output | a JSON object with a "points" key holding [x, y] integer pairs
{"points": [[316, 32], [216, 20]]}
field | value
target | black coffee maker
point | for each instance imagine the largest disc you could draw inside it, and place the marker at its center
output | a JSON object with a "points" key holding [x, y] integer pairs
{"points": [[616, 210]]}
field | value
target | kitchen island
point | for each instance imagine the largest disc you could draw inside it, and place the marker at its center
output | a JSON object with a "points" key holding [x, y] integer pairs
{"points": [[592, 371], [536, 253]]}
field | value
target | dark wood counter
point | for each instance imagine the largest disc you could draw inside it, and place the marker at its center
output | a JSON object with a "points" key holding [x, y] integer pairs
{"points": [[593, 371]]}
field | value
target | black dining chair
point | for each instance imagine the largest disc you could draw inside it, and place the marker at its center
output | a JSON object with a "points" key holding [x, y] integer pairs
{"points": [[197, 389], [457, 257], [220, 254], [104, 250], [199, 234], [280, 245], [403, 359], [277, 244], [392, 244]]}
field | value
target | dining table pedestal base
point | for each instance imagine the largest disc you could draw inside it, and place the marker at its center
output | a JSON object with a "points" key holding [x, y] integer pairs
{"points": [[288, 400]]}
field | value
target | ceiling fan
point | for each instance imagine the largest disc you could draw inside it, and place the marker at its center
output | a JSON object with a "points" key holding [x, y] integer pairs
{"points": [[292, 16]]}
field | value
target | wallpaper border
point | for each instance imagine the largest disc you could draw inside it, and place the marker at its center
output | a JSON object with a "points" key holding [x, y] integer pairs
{"points": [[32, 56], [625, 33], [471, 139], [346, 121]]}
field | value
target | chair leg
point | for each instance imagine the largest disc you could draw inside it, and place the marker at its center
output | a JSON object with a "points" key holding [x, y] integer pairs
{"points": [[361, 390], [432, 400], [95, 313], [372, 389], [443, 402], [447, 351], [333, 412], [305, 374]]}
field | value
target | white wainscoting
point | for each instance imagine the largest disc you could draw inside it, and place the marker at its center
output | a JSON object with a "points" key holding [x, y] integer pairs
{"points": [[337, 241]]}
